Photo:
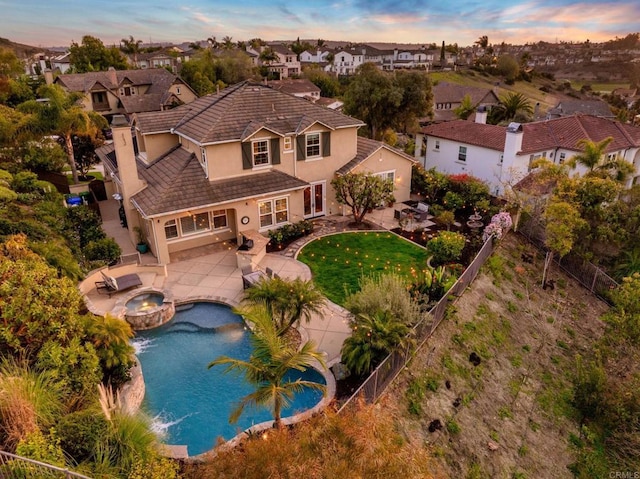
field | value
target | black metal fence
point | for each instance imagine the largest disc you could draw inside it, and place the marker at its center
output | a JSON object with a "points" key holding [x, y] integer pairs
{"points": [[17, 467], [586, 273], [389, 369]]}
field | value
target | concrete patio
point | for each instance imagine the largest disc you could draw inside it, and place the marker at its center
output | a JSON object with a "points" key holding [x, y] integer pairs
{"points": [[210, 273]]}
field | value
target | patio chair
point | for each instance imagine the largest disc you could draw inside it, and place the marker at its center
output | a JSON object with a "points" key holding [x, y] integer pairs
{"points": [[111, 285], [250, 277], [421, 212]]}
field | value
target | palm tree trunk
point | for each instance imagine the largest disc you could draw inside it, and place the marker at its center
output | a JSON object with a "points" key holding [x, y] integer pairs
{"points": [[277, 407], [71, 158]]}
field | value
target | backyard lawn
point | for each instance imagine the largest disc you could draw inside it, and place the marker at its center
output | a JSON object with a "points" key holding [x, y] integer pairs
{"points": [[337, 262]]}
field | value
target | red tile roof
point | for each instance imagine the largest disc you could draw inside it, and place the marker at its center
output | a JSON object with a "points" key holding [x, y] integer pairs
{"points": [[479, 134]]}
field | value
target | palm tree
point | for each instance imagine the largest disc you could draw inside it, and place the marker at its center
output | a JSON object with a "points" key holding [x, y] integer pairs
{"points": [[286, 301], [593, 158], [227, 43], [466, 108], [131, 46], [511, 105], [110, 337], [373, 337], [63, 115], [213, 43], [272, 358], [483, 41], [268, 55]]}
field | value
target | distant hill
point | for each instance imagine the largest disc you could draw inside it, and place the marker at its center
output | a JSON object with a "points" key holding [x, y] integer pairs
{"points": [[21, 50]]}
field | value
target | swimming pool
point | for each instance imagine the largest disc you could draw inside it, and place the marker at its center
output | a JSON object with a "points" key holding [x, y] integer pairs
{"points": [[191, 404]]}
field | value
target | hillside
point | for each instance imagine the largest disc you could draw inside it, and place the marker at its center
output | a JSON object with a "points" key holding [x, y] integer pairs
{"points": [[21, 50], [510, 415], [531, 90]]}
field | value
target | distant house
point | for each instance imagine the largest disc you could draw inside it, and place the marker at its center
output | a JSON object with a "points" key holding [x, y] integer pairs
{"points": [[448, 96], [237, 163], [302, 88], [286, 65], [61, 63], [169, 58], [501, 155], [127, 91], [580, 107]]}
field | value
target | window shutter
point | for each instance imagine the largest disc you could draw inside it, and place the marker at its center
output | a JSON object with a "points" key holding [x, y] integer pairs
{"points": [[326, 144], [275, 151], [301, 143], [247, 162]]}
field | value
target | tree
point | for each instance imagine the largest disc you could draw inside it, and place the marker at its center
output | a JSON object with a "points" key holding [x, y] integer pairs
{"points": [[272, 358], [227, 43], [511, 105], [373, 337], [328, 84], [592, 152], [416, 99], [92, 56], [213, 43], [373, 98], [287, 301], [466, 108], [62, 115], [483, 41], [131, 46], [508, 67], [10, 67], [593, 158], [362, 192], [268, 55]]}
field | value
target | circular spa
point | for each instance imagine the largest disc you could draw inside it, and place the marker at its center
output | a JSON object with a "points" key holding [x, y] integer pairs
{"points": [[191, 404], [148, 309]]}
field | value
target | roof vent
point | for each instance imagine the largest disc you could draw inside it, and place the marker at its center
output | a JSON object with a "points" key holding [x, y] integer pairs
{"points": [[514, 128]]}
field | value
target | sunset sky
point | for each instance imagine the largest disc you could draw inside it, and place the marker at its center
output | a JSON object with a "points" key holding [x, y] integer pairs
{"points": [[59, 22]]}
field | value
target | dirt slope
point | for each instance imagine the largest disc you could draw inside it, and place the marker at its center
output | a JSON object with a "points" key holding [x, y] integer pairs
{"points": [[509, 416]]}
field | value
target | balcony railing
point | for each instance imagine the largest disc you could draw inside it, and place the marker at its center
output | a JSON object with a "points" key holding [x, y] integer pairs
{"points": [[17, 467]]}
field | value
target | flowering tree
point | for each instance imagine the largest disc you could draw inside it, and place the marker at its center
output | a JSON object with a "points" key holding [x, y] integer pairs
{"points": [[499, 225], [362, 192]]}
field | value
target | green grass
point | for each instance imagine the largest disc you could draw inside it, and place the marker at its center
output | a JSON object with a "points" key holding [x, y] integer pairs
{"points": [[96, 175], [337, 262]]}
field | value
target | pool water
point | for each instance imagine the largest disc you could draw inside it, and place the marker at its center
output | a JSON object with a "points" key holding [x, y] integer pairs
{"points": [[144, 302], [190, 403]]}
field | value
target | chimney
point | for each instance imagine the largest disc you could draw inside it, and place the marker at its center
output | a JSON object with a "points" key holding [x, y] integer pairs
{"points": [[481, 114], [512, 164], [112, 76], [48, 77], [130, 183]]}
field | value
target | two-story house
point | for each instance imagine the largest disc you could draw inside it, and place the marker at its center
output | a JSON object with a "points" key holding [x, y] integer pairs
{"points": [[126, 92], [245, 160], [449, 96], [503, 155]]}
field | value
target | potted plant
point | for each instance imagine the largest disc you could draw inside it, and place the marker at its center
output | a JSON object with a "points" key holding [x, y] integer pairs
{"points": [[141, 245]]}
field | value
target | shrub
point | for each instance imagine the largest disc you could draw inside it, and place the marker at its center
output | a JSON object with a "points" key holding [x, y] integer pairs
{"points": [[105, 249], [446, 247], [289, 232], [80, 432], [384, 292]]}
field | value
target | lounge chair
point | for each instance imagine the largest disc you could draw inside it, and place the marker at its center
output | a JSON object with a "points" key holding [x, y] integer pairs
{"points": [[111, 285], [421, 212]]}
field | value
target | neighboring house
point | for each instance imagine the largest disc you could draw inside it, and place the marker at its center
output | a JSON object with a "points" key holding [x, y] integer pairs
{"points": [[448, 96], [501, 156], [287, 64], [169, 58], [302, 88], [332, 103], [127, 91], [239, 162], [61, 63], [580, 107]]}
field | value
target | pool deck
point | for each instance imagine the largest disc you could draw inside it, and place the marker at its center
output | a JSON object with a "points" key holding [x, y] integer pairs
{"points": [[211, 273]]}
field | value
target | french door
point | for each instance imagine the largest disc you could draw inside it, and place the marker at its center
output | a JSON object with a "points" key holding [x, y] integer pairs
{"points": [[314, 200]]}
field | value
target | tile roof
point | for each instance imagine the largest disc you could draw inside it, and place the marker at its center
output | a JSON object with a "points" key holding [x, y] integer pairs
{"points": [[294, 86], [479, 134], [445, 92], [541, 135], [225, 116], [585, 107], [176, 182], [159, 78], [366, 148]]}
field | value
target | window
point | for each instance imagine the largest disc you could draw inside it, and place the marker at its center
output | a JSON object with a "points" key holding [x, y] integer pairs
{"points": [[178, 90], [387, 175], [437, 145], [127, 91], [501, 158], [288, 144], [313, 145], [219, 219], [203, 156], [562, 158], [462, 153], [260, 152], [171, 229], [273, 212], [99, 97], [194, 223]]}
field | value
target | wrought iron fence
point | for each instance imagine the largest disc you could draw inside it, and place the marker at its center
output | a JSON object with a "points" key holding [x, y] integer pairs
{"points": [[391, 366], [586, 273], [17, 467]]}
